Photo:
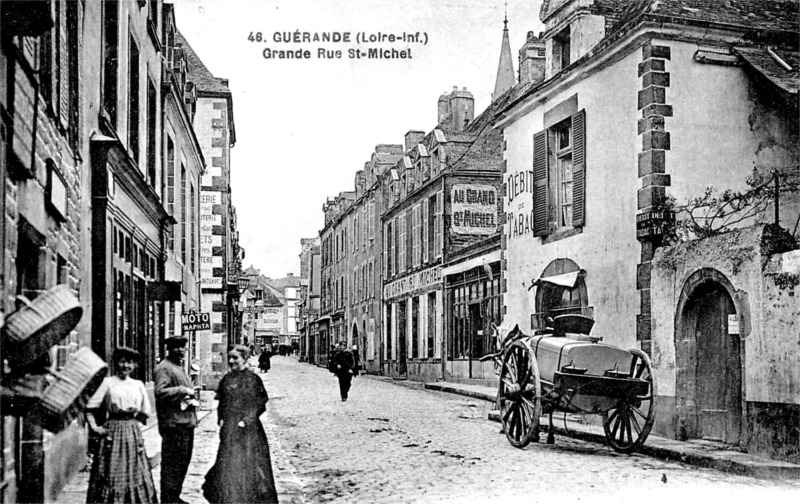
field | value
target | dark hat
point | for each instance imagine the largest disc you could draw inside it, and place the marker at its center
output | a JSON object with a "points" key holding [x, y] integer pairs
{"points": [[126, 353], [175, 341]]}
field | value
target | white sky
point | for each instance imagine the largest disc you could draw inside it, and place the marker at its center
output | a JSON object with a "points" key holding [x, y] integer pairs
{"points": [[304, 127]]}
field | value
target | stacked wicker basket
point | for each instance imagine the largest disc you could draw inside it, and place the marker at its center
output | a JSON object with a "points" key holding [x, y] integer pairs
{"points": [[57, 397]]}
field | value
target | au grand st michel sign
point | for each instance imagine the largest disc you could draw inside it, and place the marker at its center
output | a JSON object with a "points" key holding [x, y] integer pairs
{"points": [[474, 209]]}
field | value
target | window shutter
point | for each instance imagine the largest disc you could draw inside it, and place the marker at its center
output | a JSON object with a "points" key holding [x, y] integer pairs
{"points": [[439, 228], [579, 168], [424, 231], [540, 220], [63, 66]]}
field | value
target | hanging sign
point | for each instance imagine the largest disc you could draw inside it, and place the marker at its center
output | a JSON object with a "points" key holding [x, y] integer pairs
{"points": [[196, 321]]}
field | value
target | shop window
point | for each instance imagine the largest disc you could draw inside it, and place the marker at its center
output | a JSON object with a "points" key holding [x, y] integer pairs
{"points": [[431, 324], [415, 327]]}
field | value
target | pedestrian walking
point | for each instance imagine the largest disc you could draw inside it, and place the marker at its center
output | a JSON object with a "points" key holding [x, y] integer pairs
{"points": [[343, 365], [356, 360], [177, 419], [264, 359], [120, 470], [242, 471]]}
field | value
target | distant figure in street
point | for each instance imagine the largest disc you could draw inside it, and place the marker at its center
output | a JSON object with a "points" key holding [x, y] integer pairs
{"points": [[343, 363], [331, 355], [175, 407], [357, 360], [264, 363], [242, 471], [120, 470]]}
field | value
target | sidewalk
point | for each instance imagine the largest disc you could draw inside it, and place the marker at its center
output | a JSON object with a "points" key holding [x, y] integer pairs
{"points": [[286, 481], [697, 452]]}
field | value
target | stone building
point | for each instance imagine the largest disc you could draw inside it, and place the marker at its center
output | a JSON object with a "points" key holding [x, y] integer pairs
{"points": [[331, 325], [44, 167], [308, 306], [644, 105], [441, 237], [183, 164], [364, 252], [218, 251], [288, 289]]}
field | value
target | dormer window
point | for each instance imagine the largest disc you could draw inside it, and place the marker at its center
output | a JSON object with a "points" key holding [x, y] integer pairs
{"points": [[561, 50]]}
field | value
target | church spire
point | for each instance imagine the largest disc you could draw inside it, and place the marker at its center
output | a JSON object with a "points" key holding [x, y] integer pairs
{"points": [[505, 70]]}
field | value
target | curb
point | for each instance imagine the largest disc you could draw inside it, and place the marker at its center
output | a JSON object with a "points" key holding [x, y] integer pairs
{"points": [[721, 459]]}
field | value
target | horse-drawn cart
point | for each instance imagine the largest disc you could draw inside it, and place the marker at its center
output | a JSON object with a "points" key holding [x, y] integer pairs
{"points": [[566, 369]]}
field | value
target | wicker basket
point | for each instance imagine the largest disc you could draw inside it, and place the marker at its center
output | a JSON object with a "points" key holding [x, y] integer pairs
{"points": [[70, 389], [30, 331]]}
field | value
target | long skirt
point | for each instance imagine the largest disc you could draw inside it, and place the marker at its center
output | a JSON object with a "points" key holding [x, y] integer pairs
{"points": [[243, 469], [120, 471]]}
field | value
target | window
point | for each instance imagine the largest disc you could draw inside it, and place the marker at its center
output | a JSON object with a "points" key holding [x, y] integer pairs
{"points": [[431, 228], [415, 245], [439, 227], [556, 298], [110, 52], [182, 219], [151, 133], [170, 189], [372, 219], [559, 176], [561, 50], [409, 218], [133, 99], [401, 238], [73, 79]]}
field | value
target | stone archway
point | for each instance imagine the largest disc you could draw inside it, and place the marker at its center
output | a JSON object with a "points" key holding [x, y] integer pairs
{"points": [[709, 357]]}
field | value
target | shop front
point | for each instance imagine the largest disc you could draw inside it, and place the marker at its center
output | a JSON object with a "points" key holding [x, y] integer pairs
{"points": [[474, 308]]}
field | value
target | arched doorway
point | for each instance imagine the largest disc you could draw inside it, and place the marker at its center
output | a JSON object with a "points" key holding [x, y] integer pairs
{"points": [[709, 360]]}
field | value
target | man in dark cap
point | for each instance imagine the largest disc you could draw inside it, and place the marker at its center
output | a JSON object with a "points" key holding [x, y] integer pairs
{"points": [[175, 408]]}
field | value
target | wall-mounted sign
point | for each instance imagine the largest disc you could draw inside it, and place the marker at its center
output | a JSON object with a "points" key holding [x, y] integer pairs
{"points": [[195, 321], [473, 209], [733, 324], [416, 281], [56, 192]]}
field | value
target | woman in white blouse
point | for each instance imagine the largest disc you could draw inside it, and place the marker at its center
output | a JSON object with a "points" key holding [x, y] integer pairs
{"points": [[120, 470]]}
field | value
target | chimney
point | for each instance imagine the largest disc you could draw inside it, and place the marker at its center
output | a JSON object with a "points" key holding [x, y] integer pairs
{"points": [[462, 109], [443, 107], [532, 60], [413, 137]]}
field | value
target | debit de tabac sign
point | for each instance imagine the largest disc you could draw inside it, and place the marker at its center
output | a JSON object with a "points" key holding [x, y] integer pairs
{"points": [[414, 282], [473, 209]]}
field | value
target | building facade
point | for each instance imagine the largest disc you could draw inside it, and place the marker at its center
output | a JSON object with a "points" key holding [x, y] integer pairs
{"points": [[218, 252], [642, 108], [441, 239]]}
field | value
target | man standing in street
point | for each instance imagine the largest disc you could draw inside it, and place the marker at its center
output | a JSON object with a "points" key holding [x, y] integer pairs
{"points": [[343, 365], [175, 408]]}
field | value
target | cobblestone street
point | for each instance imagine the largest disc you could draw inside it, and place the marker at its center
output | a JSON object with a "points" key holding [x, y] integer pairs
{"points": [[393, 443]]}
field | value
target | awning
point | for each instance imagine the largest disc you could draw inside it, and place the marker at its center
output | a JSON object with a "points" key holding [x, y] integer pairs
{"points": [[471, 263], [567, 280], [779, 68]]}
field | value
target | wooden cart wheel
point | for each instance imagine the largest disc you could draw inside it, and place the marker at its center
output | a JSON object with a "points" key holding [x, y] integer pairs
{"points": [[520, 395], [628, 424]]}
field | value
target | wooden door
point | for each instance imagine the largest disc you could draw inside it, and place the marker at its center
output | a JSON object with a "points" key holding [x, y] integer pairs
{"points": [[719, 382]]}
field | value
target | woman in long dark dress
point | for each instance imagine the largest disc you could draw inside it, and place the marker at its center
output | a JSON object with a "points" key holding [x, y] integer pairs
{"points": [[264, 360], [243, 469], [120, 470]]}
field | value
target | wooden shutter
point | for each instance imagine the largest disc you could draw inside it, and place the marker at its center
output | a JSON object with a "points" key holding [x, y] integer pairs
{"points": [[579, 168], [63, 64], [540, 220], [424, 232]]}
